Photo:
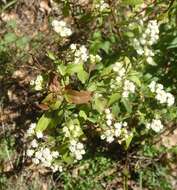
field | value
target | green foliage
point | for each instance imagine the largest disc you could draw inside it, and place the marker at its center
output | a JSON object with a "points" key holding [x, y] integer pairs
{"points": [[112, 81]]}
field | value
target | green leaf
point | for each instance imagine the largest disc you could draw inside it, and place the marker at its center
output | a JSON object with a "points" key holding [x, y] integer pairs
{"points": [[128, 141], [61, 69], [173, 44], [106, 46], [56, 105], [12, 23], [99, 104], [67, 158], [127, 105], [92, 87], [134, 78], [133, 2], [97, 35], [106, 71], [10, 37], [115, 109], [82, 76], [74, 68], [83, 114], [22, 42], [51, 55], [44, 122], [113, 98]]}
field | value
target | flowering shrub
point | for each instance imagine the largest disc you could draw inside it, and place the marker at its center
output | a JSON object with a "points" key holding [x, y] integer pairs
{"points": [[106, 86]]}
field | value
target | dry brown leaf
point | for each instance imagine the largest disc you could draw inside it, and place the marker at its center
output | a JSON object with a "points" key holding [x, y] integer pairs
{"points": [[43, 106], [78, 97], [54, 85], [44, 6]]}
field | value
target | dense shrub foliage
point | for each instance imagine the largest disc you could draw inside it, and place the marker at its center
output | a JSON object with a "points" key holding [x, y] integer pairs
{"points": [[119, 85]]}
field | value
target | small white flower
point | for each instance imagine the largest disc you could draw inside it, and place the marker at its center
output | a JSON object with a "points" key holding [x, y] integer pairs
{"points": [[30, 131], [60, 168], [61, 28], [170, 99], [95, 58], [82, 151], [73, 47], [34, 143], [55, 154], [159, 87], [117, 125], [150, 60], [30, 152], [129, 86], [38, 155], [117, 132], [73, 142], [39, 135], [161, 96], [148, 125], [55, 168], [47, 154], [152, 86], [156, 125], [125, 124], [38, 83], [109, 116], [125, 94], [109, 122], [33, 125], [35, 161], [110, 139], [102, 137], [78, 157], [80, 146], [107, 111]]}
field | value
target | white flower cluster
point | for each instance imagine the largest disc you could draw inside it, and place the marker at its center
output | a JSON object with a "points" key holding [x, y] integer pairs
{"points": [[102, 6], [31, 131], [61, 28], [80, 54], [45, 157], [38, 83], [113, 130], [148, 38], [77, 149], [120, 70], [94, 58], [161, 95], [128, 88], [42, 156], [156, 125]]}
